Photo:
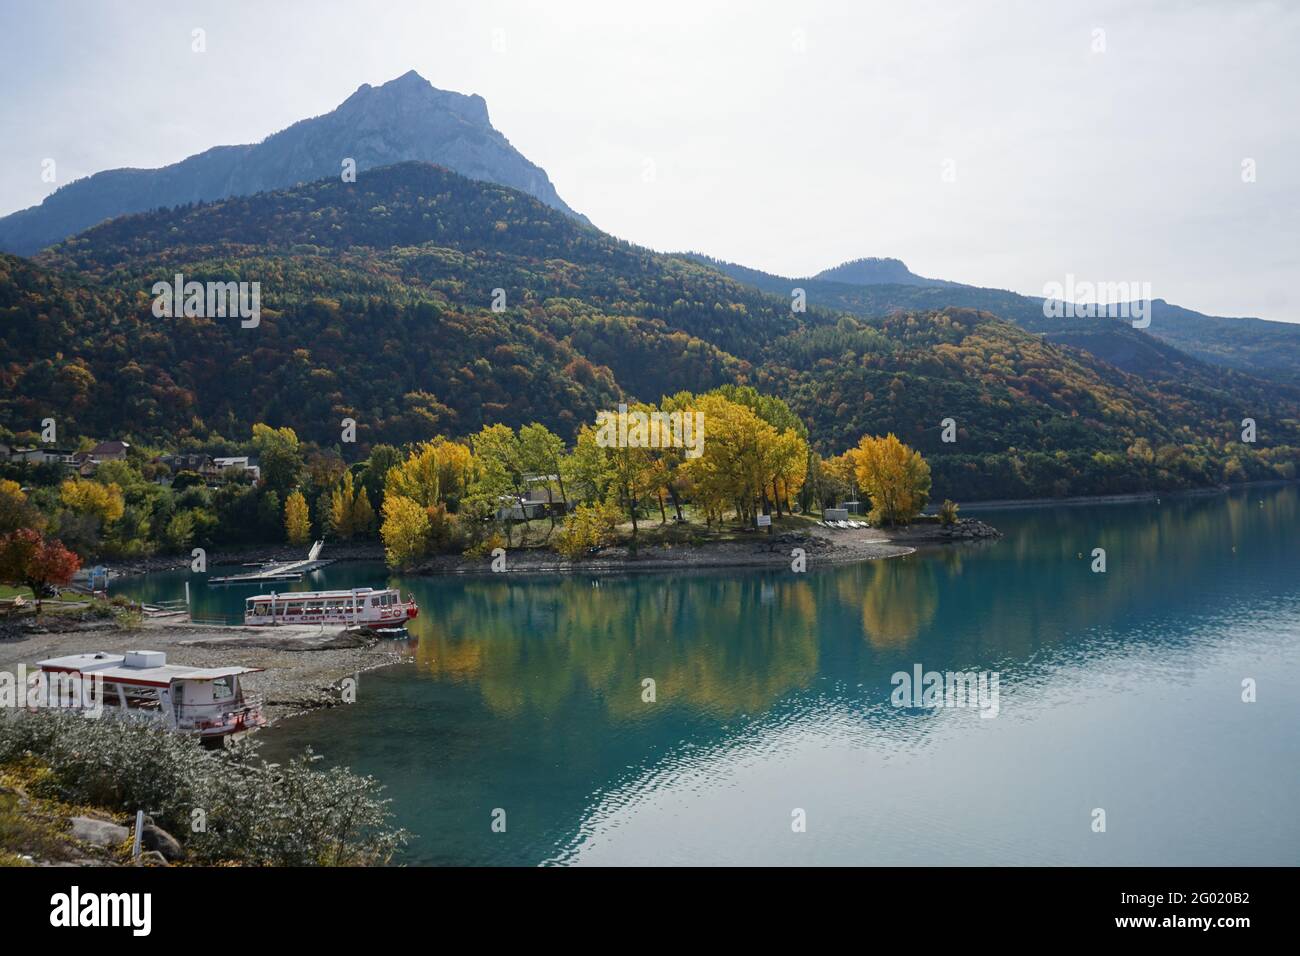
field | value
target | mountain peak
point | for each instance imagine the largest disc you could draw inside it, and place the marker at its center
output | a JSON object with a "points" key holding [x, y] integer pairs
{"points": [[405, 119], [412, 94], [410, 77], [874, 270]]}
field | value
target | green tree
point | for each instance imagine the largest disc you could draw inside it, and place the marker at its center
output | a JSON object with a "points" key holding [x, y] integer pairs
{"points": [[279, 456]]}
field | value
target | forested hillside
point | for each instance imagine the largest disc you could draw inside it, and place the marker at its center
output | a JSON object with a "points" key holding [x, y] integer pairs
{"points": [[1258, 348], [377, 304]]}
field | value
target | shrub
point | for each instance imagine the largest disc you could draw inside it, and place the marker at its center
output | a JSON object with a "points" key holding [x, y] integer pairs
{"points": [[254, 813], [486, 545], [587, 527], [948, 513]]}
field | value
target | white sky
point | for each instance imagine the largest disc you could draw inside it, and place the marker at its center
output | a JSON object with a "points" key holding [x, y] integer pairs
{"points": [[781, 155]]}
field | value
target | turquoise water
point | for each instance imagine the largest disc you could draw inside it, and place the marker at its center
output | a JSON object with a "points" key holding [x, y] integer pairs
{"points": [[1120, 691]]}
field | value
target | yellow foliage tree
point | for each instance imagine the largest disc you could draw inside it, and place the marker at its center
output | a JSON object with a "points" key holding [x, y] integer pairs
{"points": [[788, 462], [587, 527], [342, 499], [746, 461], [363, 515], [405, 530], [297, 523], [15, 510], [435, 472], [896, 478], [90, 497]]}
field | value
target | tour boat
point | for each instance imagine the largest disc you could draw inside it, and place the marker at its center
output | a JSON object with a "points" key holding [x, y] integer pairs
{"points": [[206, 701], [362, 607]]}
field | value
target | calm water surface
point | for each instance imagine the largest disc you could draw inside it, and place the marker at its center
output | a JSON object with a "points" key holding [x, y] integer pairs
{"points": [[1119, 691]]}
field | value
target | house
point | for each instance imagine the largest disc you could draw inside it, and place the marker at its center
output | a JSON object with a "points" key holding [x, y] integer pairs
{"points": [[514, 508], [238, 464], [109, 451], [198, 463], [543, 492], [83, 464], [42, 456]]}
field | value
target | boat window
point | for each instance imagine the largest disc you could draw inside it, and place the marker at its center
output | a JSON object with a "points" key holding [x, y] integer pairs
{"points": [[261, 609], [374, 602], [221, 689]]}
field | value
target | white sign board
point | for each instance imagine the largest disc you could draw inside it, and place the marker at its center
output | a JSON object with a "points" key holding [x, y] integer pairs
{"points": [[764, 521]]}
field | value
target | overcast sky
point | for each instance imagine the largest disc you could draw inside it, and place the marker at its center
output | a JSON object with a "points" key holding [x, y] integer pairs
{"points": [[988, 143]]}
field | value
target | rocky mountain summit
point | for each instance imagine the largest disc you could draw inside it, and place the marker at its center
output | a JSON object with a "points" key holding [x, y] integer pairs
{"points": [[404, 119]]}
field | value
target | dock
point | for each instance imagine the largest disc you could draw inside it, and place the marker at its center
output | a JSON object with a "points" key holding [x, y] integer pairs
{"points": [[284, 571]]}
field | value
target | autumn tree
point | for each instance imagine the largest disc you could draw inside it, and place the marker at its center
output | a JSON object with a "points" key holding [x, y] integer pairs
{"points": [[29, 558], [586, 468], [297, 523], [540, 454], [435, 472], [589, 526], [363, 515], [405, 530], [633, 470], [896, 478], [15, 510], [101, 501], [342, 504], [837, 479], [498, 471], [788, 467], [733, 471]]}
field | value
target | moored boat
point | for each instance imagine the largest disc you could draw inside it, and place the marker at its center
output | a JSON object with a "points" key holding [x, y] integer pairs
{"points": [[206, 701], [360, 607]]}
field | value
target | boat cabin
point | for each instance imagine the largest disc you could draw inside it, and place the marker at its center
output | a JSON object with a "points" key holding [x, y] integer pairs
{"points": [[207, 701], [365, 607]]}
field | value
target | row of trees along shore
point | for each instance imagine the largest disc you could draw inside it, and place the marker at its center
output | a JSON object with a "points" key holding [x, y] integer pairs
{"points": [[449, 496]]}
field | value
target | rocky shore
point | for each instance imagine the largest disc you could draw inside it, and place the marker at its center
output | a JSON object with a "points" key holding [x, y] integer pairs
{"points": [[304, 664], [821, 546]]}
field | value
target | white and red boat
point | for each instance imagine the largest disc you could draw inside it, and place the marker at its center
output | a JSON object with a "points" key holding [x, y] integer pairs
{"points": [[362, 607], [206, 701]]}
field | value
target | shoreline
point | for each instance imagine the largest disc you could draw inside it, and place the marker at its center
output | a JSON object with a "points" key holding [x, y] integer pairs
{"points": [[821, 546], [457, 564], [238, 557], [304, 665], [1133, 497]]}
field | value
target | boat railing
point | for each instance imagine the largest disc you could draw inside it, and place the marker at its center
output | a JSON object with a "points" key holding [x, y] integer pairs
{"points": [[232, 708]]}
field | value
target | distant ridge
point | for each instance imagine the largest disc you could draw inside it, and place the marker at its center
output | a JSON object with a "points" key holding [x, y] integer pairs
{"points": [[404, 119], [873, 271], [876, 287]]}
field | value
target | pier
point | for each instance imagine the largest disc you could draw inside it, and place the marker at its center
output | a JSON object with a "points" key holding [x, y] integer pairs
{"points": [[284, 571]]}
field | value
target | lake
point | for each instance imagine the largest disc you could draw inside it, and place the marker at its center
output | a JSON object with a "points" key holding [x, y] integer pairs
{"points": [[1119, 691]]}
